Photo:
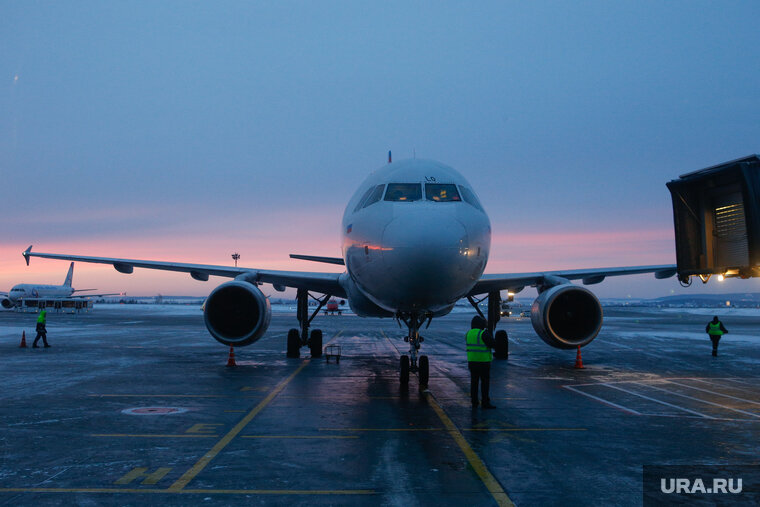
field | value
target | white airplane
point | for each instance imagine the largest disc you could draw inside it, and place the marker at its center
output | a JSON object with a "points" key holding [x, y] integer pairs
{"points": [[37, 291], [416, 240]]}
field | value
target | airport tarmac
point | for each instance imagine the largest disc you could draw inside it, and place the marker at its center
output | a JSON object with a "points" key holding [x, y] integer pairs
{"points": [[135, 404]]}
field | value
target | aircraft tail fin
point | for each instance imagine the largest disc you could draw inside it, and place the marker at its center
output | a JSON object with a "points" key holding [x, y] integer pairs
{"points": [[69, 276]]}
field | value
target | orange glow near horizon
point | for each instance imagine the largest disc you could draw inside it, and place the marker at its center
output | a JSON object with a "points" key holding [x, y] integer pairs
{"points": [[269, 249]]}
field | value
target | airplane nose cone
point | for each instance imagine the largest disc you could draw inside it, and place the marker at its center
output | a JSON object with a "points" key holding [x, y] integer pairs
{"points": [[428, 260]]}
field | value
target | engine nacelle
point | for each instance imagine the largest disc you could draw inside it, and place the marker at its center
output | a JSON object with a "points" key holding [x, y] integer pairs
{"points": [[7, 303], [237, 313], [566, 316]]}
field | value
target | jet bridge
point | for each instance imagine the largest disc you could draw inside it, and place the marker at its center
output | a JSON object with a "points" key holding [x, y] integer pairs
{"points": [[716, 214]]}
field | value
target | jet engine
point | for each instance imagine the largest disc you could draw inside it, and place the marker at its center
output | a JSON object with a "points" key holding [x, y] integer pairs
{"points": [[6, 303], [566, 315], [237, 313]]}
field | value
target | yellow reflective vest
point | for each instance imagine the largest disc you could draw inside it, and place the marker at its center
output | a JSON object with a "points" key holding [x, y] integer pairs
{"points": [[715, 329], [41, 317], [477, 351]]}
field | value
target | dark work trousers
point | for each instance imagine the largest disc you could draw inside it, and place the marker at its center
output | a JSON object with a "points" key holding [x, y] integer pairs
{"points": [[715, 339], [41, 333], [480, 372]]}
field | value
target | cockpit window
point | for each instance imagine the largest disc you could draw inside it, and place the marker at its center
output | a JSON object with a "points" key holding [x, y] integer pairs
{"points": [[441, 193], [469, 197], [404, 192], [376, 195], [364, 198]]}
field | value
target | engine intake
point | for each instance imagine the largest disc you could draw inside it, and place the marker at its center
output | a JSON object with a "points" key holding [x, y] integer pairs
{"points": [[7, 303], [566, 316], [237, 313]]}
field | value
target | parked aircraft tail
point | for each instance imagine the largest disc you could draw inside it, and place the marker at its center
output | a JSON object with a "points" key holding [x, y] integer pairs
{"points": [[69, 276]]}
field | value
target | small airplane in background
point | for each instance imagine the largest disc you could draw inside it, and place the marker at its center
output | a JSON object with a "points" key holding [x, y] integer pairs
{"points": [[38, 291], [334, 307]]}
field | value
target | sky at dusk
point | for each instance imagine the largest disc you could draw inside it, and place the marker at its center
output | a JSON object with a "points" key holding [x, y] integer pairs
{"points": [[186, 131]]}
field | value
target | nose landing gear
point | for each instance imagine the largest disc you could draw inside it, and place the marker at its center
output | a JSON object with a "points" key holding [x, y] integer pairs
{"points": [[414, 363]]}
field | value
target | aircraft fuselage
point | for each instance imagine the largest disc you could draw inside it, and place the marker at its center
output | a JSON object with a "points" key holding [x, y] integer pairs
{"points": [[415, 238]]}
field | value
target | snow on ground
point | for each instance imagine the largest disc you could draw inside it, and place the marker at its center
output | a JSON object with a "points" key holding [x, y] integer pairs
{"points": [[689, 336], [735, 312]]}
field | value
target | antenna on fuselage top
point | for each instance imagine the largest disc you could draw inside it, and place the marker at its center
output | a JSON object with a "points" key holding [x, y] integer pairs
{"points": [[389, 157]]}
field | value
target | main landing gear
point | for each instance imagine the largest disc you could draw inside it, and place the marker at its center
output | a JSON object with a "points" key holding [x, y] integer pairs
{"points": [[414, 363], [301, 338], [501, 350]]}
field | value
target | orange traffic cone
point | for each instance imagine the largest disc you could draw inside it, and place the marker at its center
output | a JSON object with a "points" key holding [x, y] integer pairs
{"points": [[578, 359], [231, 360], [23, 340]]}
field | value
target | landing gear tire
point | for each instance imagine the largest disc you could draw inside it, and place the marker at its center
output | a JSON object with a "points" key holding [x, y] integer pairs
{"points": [[315, 343], [501, 350], [294, 343], [424, 374], [404, 370]]}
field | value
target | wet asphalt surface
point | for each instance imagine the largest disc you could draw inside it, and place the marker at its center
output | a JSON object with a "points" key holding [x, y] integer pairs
{"points": [[135, 404]]}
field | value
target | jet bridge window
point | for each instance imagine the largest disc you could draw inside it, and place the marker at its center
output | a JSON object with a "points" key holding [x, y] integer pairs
{"points": [[470, 197], [376, 195], [404, 192], [441, 192]]}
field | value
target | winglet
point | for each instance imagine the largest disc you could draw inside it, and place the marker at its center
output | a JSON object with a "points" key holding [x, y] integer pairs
{"points": [[25, 253]]}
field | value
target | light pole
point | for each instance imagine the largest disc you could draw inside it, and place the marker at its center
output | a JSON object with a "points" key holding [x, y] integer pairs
{"points": [[235, 257]]}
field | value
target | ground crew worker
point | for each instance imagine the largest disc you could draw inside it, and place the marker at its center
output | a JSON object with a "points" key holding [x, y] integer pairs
{"points": [[715, 329], [479, 345], [41, 330]]}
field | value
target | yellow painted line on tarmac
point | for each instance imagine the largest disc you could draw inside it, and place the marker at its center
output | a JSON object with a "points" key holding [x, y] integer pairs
{"points": [[221, 444], [147, 435], [476, 463], [393, 346], [381, 429], [196, 491], [334, 337], [523, 429], [300, 436], [161, 395]]}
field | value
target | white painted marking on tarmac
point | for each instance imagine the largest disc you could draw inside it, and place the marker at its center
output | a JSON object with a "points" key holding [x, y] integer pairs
{"points": [[698, 399], [656, 400], [743, 381], [606, 402], [714, 392]]}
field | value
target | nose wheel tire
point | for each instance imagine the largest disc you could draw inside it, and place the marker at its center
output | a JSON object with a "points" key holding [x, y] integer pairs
{"points": [[294, 343], [501, 350], [424, 373], [315, 343], [404, 369]]}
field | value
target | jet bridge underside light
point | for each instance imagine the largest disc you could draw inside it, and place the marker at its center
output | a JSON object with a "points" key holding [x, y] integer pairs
{"points": [[716, 216]]}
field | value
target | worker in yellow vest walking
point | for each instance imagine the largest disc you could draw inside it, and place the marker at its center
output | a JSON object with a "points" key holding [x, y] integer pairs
{"points": [[479, 345], [715, 329], [41, 329]]}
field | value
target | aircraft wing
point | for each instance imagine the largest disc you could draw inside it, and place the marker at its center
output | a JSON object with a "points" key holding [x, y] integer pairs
{"points": [[515, 282], [95, 295], [326, 283]]}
